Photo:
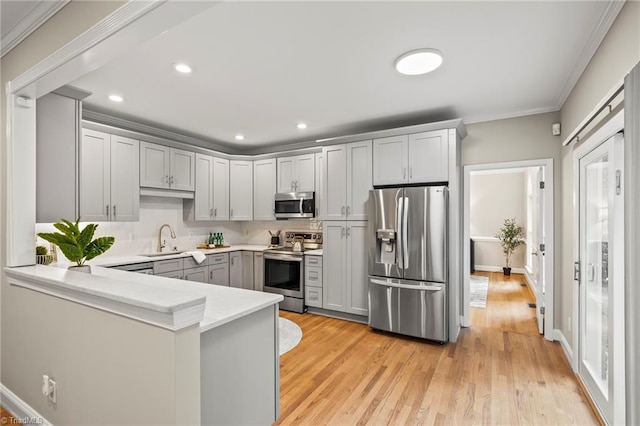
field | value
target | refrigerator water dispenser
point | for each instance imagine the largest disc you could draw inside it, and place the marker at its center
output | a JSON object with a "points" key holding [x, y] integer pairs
{"points": [[386, 248]]}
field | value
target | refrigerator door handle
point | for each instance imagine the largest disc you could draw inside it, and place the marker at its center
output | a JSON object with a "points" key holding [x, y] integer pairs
{"points": [[400, 258], [407, 286], [405, 233]]}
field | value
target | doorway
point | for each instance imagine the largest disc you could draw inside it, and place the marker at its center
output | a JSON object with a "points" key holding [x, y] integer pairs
{"points": [[536, 217], [599, 269]]}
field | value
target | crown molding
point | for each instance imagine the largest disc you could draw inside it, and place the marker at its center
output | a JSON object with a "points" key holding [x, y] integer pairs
{"points": [[607, 19], [29, 23]]}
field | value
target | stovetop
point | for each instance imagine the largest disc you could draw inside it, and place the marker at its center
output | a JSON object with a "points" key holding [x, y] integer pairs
{"points": [[311, 240]]}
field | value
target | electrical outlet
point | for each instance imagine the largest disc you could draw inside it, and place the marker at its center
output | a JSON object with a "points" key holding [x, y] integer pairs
{"points": [[45, 385], [53, 391], [569, 324]]}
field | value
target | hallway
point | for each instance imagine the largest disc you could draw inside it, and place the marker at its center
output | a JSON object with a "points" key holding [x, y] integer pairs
{"points": [[501, 371]]}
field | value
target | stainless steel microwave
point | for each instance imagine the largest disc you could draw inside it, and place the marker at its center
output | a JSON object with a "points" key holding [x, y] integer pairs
{"points": [[294, 205]]}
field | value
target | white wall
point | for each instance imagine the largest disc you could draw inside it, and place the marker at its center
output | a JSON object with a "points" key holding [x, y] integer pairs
{"points": [[71, 21], [617, 54], [493, 198]]}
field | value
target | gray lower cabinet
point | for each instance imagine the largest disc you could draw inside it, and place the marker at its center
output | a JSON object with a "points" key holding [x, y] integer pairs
{"points": [[313, 281], [199, 274], [235, 270], [162, 267], [219, 269], [258, 271], [171, 274], [247, 270]]}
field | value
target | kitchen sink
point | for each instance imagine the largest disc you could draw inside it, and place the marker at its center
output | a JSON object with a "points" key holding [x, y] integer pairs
{"points": [[165, 253]]}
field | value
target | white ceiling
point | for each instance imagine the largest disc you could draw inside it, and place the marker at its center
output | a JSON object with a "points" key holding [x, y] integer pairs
{"points": [[261, 67]]}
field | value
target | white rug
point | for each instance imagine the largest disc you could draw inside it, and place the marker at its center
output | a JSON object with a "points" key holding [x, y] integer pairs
{"points": [[290, 335], [479, 287]]}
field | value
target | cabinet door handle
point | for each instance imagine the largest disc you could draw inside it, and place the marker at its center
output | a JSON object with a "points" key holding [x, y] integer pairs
{"points": [[342, 232], [166, 180], [215, 212], [348, 210], [231, 212], [210, 212], [114, 211], [342, 211], [292, 183], [348, 232], [404, 173], [107, 211], [410, 172], [210, 275]]}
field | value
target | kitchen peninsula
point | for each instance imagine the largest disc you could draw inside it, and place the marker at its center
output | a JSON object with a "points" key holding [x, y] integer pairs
{"points": [[209, 348]]}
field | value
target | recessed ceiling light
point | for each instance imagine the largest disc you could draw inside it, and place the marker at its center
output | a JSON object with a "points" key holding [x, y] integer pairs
{"points": [[182, 68], [301, 126], [116, 98], [239, 137], [420, 61]]}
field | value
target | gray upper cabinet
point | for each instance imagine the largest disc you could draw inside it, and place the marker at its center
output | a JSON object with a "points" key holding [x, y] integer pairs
{"points": [[220, 189], [297, 174], [58, 133], [264, 189], [166, 168], [203, 196], [109, 177], [241, 190], [416, 158]]}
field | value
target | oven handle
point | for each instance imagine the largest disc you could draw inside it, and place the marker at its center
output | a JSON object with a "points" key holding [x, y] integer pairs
{"points": [[284, 257]]}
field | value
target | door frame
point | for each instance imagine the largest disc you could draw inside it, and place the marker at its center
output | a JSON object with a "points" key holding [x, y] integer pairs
{"points": [[547, 163], [601, 135]]}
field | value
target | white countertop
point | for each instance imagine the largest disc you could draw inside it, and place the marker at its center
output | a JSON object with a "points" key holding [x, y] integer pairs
{"points": [[165, 302], [109, 261]]}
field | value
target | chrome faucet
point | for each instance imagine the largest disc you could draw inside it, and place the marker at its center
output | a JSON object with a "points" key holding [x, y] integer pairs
{"points": [[162, 244]]}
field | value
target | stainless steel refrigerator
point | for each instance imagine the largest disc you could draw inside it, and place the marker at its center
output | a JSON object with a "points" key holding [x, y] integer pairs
{"points": [[408, 261]]}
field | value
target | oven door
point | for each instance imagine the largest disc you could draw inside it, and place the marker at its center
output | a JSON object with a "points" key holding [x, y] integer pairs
{"points": [[284, 274]]}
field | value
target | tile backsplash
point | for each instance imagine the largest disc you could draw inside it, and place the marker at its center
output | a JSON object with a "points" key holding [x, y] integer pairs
{"points": [[142, 236]]}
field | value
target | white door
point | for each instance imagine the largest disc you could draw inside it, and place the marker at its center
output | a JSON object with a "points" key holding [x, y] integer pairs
{"points": [[601, 280], [182, 175], [241, 190], [335, 178], [334, 291], [428, 157], [203, 196], [539, 249], [357, 279], [359, 179], [305, 174], [264, 189], [125, 179], [154, 165], [286, 172], [95, 170], [220, 189], [390, 157]]}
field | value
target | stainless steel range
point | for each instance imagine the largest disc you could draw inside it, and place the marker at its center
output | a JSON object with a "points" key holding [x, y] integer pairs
{"points": [[284, 268]]}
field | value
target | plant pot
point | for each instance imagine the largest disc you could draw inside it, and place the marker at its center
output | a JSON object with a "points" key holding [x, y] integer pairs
{"points": [[84, 268], [506, 271]]}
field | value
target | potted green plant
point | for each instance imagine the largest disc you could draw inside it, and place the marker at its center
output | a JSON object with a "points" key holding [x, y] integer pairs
{"points": [[78, 245], [511, 236]]}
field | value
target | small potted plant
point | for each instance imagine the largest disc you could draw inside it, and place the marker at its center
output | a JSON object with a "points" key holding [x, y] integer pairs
{"points": [[511, 236], [78, 245]]}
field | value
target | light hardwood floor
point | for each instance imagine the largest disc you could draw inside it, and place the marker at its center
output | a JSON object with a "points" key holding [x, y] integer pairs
{"points": [[501, 371]]}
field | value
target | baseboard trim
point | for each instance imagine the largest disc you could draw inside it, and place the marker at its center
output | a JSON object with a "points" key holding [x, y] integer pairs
{"points": [[487, 268], [338, 315], [20, 409], [568, 352]]}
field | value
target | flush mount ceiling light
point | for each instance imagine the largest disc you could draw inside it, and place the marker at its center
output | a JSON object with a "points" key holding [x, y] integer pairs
{"points": [[239, 137], [301, 126], [116, 98], [182, 68], [420, 61]]}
